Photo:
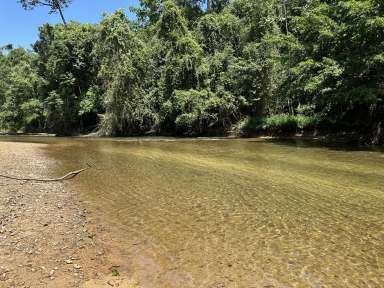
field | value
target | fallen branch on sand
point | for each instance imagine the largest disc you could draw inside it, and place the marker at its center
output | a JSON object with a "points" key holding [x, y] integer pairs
{"points": [[67, 176]]}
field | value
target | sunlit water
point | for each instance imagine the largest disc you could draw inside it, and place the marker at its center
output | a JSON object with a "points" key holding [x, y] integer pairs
{"points": [[235, 213]]}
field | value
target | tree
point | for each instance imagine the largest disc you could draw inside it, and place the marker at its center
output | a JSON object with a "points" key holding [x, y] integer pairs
{"points": [[148, 11], [54, 5], [123, 66], [195, 67], [216, 5], [66, 61], [7, 47], [20, 91]]}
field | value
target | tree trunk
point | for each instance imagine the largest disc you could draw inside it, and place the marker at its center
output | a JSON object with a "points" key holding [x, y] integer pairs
{"points": [[61, 13], [377, 137], [286, 17]]}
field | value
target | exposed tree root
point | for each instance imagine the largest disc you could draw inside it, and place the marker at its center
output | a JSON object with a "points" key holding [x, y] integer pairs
{"points": [[67, 176]]}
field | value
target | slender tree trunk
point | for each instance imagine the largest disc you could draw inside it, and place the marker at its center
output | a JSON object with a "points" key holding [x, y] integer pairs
{"points": [[209, 5], [62, 16], [61, 13], [286, 17]]}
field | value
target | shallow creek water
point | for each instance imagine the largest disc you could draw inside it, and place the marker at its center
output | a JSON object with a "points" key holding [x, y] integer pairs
{"points": [[234, 213]]}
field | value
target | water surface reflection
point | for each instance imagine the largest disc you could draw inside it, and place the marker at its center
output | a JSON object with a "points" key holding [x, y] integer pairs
{"points": [[236, 213]]}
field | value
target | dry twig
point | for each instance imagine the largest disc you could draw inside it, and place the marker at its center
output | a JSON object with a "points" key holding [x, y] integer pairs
{"points": [[67, 176]]}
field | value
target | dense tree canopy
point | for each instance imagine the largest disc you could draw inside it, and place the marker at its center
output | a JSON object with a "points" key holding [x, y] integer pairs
{"points": [[195, 67]]}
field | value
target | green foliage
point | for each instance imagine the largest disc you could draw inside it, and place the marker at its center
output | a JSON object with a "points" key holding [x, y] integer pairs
{"points": [[54, 111], [277, 124], [32, 111], [196, 67], [19, 89], [115, 273], [218, 31], [91, 102], [122, 72], [307, 122], [202, 112], [171, 24], [280, 123], [248, 126], [66, 60]]}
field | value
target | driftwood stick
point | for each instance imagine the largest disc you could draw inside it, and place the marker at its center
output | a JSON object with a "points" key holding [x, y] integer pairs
{"points": [[67, 176]]}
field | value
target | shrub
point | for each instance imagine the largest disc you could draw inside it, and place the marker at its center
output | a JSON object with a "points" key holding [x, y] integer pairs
{"points": [[280, 123], [202, 112], [306, 122], [248, 125]]}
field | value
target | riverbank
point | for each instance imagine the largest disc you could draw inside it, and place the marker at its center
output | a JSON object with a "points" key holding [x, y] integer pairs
{"points": [[335, 138], [47, 237]]}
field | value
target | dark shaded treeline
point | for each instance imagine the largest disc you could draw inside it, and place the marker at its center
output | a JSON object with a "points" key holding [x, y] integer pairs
{"points": [[182, 69]]}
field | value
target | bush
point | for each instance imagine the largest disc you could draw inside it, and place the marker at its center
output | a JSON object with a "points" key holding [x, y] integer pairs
{"points": [[280, 123], [202, 112], [248, 125], [306, 122]]}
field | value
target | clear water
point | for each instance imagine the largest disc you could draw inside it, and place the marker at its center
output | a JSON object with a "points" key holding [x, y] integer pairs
{"points": [[234, 213]]}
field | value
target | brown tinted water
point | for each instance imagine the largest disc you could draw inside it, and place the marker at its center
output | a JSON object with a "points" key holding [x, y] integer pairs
{"points": [[234, 213]]}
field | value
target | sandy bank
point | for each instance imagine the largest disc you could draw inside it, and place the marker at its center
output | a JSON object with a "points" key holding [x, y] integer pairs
{"points": [[46, 236]]}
